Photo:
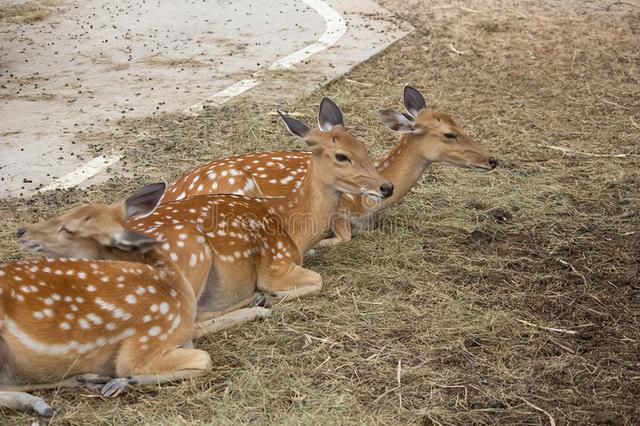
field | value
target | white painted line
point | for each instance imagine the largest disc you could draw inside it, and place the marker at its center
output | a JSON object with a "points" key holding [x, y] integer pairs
{"points": [[82, 173], [336, 28], [224, 95]]}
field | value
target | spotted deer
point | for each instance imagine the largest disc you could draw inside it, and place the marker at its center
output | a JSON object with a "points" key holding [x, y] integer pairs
{"points": [[250, 246], [110, 323], [427, 137]]}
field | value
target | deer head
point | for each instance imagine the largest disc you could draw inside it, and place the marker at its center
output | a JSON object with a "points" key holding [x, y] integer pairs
{"points": [[95, 230], [340, 160], [440, 137]]}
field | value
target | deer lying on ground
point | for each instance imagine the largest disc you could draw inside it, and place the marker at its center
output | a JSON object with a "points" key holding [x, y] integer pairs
{"points": [[111, 323], [427, 137], [251, 246]]}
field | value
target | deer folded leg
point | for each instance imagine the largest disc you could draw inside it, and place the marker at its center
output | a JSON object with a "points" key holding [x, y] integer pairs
{"points": [[93, 382], [294, 282], [231, 319], [175, 364], [21, 401], [88, 380], [298, 292], [204, 315], [342, 230], [116, 386]]}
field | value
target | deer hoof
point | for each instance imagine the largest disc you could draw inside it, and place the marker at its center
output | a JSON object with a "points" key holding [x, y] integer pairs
{"points": [[114, 387], [261, 300], [42, 408]]}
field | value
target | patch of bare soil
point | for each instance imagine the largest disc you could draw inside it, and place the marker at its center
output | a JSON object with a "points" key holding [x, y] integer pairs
{"points": [[508, 297], [160, 61], [27, 12]]}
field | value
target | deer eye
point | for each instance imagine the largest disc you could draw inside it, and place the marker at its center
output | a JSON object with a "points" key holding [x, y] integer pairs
{"points": [[450, 136], [342, 158]]}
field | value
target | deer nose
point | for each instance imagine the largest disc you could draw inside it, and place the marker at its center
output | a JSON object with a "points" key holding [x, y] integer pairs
{"points": [[493, 162], [21, 232], [386, 189]]}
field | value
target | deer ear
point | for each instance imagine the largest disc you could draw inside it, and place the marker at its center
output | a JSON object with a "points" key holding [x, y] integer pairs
{"points": [[329, 115], [397, 121], [413, 101], [296, 127], [143, 202], [134, 241]]}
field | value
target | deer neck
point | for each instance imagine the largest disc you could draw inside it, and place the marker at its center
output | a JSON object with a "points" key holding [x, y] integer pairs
{"points": [[308, 212], [403, 166], [180, 268], [109, 253], [184, 248], [182, 279], [195, 260]]}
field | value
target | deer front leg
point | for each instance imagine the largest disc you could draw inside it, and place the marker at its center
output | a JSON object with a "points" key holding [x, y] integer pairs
{"points": [[229, 320], [290, 281], [341, 228], [239, 313], [21, 401], [249, 301]]}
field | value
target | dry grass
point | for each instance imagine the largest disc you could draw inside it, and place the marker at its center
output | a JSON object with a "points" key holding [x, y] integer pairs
{"points": [[421, 319], [160, 61], [24, 13]]}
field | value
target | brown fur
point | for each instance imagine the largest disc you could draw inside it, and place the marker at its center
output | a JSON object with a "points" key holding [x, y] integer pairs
{"points": [[263, 173], [252, 244], [68, 317], [57, 302]]}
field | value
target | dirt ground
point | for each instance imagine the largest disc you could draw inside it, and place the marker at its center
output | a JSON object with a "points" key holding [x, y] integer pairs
{"points": [[443, 311]]}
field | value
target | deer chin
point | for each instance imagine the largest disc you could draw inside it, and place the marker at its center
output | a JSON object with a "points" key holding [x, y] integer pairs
{"points": [[32, 246], [471, 166], [479, 168], [372, 195]]}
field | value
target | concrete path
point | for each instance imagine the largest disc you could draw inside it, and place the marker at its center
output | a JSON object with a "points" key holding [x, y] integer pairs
{"points": [[92, 62]]}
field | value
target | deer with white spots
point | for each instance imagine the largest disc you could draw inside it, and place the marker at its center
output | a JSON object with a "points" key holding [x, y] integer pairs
{"points": [[234, 248], [427, 137], [109, 323]]}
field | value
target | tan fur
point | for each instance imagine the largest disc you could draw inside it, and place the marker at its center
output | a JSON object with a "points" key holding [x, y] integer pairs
{"points": [[266, 173], [65, 317], [284, 174], [248, 244], [60, 301]]}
